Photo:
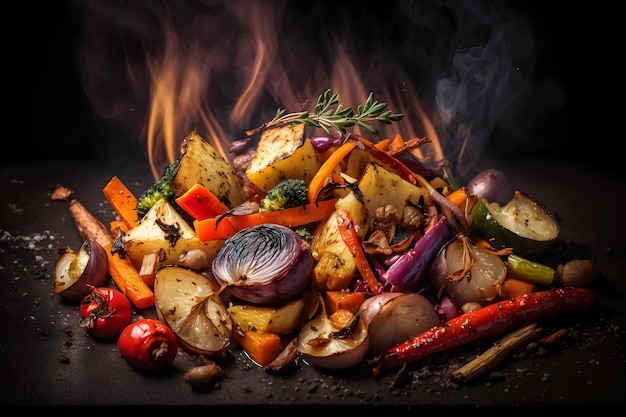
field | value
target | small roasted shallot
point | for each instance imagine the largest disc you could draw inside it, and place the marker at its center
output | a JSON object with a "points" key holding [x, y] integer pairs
{"points": [[492, 185], [468, 272], [264, 264], [394, 317], [76, 273], [328, 341]]}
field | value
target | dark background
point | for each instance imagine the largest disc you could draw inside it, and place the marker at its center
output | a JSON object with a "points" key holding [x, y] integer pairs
{"points": [[578, 43]]}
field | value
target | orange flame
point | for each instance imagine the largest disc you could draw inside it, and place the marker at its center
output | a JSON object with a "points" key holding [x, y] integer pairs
{"points": [[180, 85], [225, 67]]}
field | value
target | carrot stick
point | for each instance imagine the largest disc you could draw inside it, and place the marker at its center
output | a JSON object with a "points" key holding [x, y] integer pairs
{"points": [[489, 321], [351, 239], [327, 168], [122, 271], [128, 280], [114, 225], [201, 203], [122, 200]]}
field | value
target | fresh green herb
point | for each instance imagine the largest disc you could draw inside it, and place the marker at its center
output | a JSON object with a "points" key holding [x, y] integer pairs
{"points": [[329, 113]]}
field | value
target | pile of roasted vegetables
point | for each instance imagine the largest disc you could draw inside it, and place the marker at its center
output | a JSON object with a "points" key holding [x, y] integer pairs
{"points": [[325, 247]]}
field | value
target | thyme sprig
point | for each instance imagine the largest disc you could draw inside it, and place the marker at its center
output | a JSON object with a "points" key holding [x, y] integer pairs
{"points": [[329, 113]]}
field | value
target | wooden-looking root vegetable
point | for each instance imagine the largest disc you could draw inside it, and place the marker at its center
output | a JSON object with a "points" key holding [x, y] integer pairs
{"points": [[492, 320]]}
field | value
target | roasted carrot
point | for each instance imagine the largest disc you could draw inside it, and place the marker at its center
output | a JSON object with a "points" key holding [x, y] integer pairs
{"points": [[122, 271], [512, 287], [397, 142], [128, 280], [262, 347], [351, 239], [116, 225], [201, 203], [346, 300], [327, 168], [383, 143], [489, 321], [122, 200], [458, 197]]}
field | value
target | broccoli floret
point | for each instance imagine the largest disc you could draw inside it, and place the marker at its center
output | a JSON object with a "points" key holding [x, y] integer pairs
{"points": [[304, 233], [160, 189], [291, 192]]}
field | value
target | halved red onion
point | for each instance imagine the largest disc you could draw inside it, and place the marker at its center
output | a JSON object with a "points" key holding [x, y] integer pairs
{"points": [[264, 264]]}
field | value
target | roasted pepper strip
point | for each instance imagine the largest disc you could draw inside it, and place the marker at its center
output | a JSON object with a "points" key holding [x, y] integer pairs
{"points": [[351, 239], [201, 203], [212, 229], [492, 320]]}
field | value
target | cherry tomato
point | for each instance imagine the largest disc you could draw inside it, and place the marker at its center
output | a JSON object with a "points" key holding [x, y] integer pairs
{"points": [[105, 312], [148, 344]]}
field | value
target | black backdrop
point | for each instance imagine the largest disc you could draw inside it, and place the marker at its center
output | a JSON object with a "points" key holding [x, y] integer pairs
{"points": [[48, 116]]}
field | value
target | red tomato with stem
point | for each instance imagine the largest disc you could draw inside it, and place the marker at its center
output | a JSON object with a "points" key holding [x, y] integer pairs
{"points": [[148, 344], [105, 312]]}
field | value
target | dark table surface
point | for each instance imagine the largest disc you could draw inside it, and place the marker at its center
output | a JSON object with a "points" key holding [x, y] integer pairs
{"points": [[45, 359]]}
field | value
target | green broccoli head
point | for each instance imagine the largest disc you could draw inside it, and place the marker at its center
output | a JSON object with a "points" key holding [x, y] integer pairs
{"points": [[304, 233], [160, 189], [291, 192]]}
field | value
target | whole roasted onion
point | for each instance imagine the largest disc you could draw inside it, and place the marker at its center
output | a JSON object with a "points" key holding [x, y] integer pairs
{"points": [[264, 264], [394, 317], [491, 184], [468, 272]]}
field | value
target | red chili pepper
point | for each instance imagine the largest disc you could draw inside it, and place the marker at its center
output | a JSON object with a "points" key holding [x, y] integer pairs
{"points": [[489, 321], [148, 344]]}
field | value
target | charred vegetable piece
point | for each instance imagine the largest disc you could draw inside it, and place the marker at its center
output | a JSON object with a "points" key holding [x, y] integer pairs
{"points": [[489, 321], [282, 152]]}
